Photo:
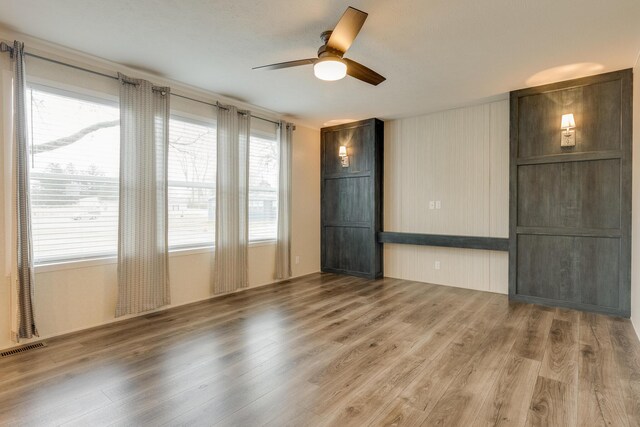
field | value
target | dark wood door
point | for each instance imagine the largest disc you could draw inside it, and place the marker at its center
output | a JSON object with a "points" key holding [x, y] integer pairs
{"points": [[352, 199], [570, 207]]}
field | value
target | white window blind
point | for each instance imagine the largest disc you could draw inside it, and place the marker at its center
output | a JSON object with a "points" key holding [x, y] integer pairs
{"points": [[192, 182], [263, 185], [75, 141], [75, 144]]}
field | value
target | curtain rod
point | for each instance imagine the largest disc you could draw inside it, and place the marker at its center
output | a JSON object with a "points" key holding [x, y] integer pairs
{"points": [[109, 76]]}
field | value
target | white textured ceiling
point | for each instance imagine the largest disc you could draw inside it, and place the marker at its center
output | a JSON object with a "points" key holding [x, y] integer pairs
{"points": [[436, 54]]}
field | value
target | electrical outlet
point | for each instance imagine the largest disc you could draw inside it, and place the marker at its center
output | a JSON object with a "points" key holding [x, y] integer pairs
{"points": [[437, 265], [297, 259], [432, 204], [438, 204]]}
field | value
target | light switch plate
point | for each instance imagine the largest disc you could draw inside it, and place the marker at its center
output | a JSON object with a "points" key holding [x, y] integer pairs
{"points": [[432, 204], [437, 265], [438, 204]]}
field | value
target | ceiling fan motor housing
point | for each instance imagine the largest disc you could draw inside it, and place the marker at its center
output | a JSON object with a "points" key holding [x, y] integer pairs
{"points": [[325, 36], [329, 51]]}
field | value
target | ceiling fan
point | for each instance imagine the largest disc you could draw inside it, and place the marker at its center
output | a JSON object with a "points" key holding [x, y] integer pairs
{"points": [[330, 64]]}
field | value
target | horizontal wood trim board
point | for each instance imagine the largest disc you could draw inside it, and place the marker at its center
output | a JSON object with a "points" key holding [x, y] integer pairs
{"points": [[347, 126], [571, 84], [347, 175], [580, 232], [463, 242], [349, 225], [572, 157]]}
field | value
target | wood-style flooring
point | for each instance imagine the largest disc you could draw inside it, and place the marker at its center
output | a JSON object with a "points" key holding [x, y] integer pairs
{"points": [[335, 350]]}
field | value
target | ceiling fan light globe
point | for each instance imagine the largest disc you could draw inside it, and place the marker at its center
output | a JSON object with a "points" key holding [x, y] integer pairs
{"points": [[330, 69]]}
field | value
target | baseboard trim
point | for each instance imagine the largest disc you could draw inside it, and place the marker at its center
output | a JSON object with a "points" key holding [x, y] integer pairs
{"points": [[573, 305], [351, 273]]}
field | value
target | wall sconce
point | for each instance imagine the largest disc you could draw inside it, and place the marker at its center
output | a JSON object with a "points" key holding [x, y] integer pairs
{"points": [[568, 138], [344, 159]]}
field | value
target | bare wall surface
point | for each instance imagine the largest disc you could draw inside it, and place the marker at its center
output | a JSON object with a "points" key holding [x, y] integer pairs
{"points": [[457, 160]]}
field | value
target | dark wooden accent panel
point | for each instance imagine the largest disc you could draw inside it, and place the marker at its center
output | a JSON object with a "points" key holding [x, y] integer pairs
{"points": [[464, 242], [352, 199], [570, 194], [357, 139], [348, 208], [569, 273], [591, 105], [570, 208], [350, 250]]}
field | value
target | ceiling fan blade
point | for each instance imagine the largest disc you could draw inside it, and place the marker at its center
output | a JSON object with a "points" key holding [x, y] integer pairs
{"points": [[347, 29], [363, 73], [288, 64]]}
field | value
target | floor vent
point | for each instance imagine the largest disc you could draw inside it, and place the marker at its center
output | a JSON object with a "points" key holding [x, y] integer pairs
{"points": [[22, 349]]}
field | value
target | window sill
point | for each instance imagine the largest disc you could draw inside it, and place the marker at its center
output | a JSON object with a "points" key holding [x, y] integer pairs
{"points": [[73, 264], [268, 242], [106, 260]]}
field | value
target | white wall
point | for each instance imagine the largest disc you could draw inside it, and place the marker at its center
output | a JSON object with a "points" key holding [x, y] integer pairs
{"points": [[461, 158], [635, 209], [83, 295], [305, 183]]}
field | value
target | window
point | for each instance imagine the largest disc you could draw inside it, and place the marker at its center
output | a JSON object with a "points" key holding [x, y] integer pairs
{"points": [[192, 182], [75, 144], [75, 140], [263, 186]]}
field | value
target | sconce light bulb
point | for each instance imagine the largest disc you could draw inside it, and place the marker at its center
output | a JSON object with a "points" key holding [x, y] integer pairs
{"points": [[568, 122]]}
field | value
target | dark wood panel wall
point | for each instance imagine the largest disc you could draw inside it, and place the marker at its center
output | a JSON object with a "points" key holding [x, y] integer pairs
{"points": [[570, 207], [351, 199]]}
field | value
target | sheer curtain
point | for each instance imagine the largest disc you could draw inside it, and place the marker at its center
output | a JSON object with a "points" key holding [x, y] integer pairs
{"points": [[232, 182], [283, 243], [20, 268], [143, 277]]}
